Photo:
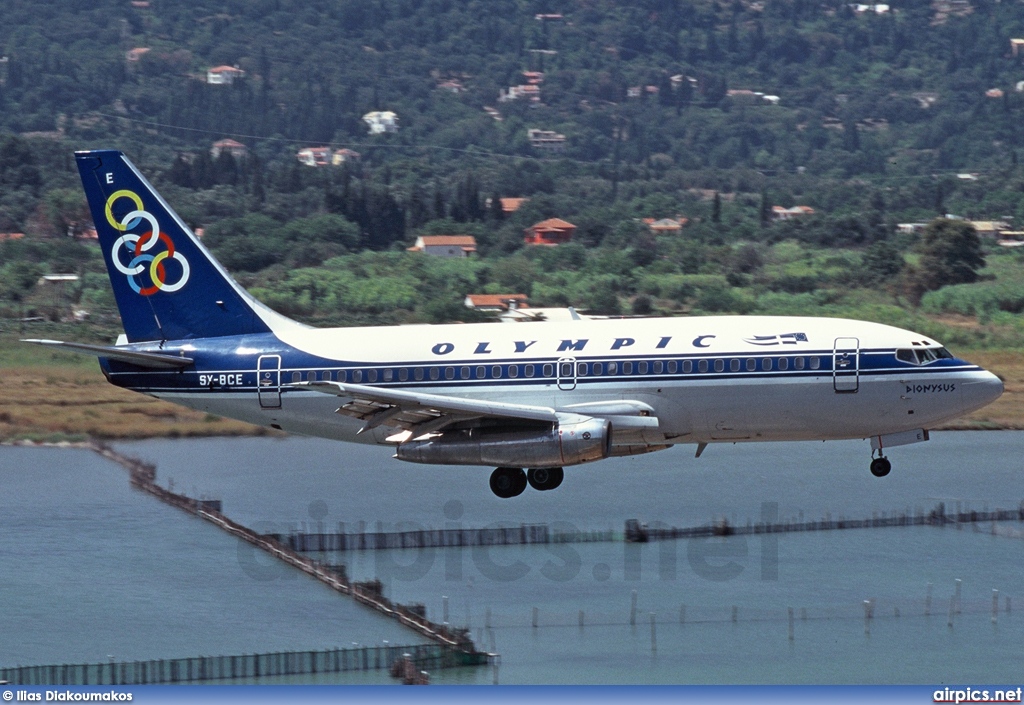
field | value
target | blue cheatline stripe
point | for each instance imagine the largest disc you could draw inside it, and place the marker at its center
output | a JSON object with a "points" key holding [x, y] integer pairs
{"points": [[677, 378]]}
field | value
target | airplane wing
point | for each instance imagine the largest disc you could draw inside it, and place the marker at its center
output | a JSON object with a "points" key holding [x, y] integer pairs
{"points": [[152, 360], [419, 414]]}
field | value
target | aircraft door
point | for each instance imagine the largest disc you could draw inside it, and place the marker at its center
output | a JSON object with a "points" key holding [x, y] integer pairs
{"points": [[566, 372], [846, 365], [268, 376]]}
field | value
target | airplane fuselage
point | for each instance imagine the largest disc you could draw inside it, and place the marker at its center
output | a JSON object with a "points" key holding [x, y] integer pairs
{"points": [[708, 379]]}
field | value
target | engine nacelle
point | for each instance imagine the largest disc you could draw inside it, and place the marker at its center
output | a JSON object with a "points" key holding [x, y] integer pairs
{"points": [[568, 443]]}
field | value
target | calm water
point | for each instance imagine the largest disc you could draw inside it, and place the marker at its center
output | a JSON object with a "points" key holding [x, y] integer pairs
{"points": [[91, 568]]}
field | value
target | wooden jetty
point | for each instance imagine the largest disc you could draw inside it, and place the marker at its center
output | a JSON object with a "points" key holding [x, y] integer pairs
{"points": [[633, 532], [412, 660], [370, 593], [362, 540], [638, 532]]}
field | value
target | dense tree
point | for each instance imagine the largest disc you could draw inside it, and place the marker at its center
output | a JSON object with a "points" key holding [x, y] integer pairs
{"points": [[950, 254]]}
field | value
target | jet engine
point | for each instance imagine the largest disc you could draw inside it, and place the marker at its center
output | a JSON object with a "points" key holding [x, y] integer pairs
{"points": [[571, 442]]}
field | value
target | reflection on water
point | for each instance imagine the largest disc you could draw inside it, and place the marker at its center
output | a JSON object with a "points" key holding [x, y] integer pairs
{"points": [[102, 570]]}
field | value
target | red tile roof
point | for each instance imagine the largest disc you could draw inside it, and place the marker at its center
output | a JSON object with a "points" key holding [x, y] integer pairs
{"points": [[497, 300], [444, 240]]}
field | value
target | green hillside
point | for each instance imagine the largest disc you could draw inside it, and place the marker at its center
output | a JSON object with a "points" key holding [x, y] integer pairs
{"points": [[712, 112]]}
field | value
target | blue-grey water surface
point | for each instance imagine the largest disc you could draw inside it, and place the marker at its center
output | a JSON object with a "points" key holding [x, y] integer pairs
{"points": [[92, 568]]}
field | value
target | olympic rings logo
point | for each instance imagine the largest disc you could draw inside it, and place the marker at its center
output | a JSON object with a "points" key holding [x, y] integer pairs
{"points": [[139, 245]]}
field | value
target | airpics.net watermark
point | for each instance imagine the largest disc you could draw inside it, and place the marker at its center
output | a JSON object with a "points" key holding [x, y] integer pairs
{"points": [[711, 558]]}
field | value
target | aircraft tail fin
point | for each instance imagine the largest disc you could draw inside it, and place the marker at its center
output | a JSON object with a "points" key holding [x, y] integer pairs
{"points": [[166, 283]]}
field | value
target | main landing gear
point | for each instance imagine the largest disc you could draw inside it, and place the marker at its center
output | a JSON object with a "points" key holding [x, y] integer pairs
{"points": [[880, 466], [510, 482]]}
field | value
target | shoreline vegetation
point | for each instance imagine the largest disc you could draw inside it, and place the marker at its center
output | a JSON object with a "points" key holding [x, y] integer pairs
{"points": [[54, 397]]}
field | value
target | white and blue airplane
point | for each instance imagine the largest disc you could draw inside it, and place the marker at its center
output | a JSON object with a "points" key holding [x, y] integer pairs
{"points": [[528, 399]]}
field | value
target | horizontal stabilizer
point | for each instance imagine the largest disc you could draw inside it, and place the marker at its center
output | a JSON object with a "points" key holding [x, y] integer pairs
{"points": [[152, 360]]}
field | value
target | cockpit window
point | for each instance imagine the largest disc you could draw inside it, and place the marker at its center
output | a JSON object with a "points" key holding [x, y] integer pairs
{"points": [[922, 356]]}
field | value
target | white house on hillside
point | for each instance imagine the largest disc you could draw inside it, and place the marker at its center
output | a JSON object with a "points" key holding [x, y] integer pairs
{"points": [[381, 122], [223, 75]]}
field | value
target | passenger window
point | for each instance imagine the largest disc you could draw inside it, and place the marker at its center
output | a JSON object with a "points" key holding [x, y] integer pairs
{"points": [[627, 368], [641, 368], [798, 363], [702, 366], [357, 376], [687, 366], [418, 373], [528, 371], [435, 373], [734, 365], [371, 376], [496, 372], [673, 367], [581, 369], [783, 363], [513, 371], [766, 364], [613, 367], [403, 375], [659, 366], [389, 375], [719, 365], [449, 373], [598, 369], [342, 376], [481, 372], [548, 370], [751, 364], [815, 363], [296, 377]]}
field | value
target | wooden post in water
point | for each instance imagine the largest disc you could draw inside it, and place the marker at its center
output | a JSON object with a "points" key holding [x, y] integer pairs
{"points": [[535, 610], [791, 629], [867, 617], [735, 614], [928, 602], [952, 610], [581, 619], [682, 613], [632, 611], [959, 604], [995, 604], [654, 635]]}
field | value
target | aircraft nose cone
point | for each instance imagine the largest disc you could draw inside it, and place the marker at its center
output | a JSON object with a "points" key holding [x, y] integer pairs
{"points": [[981, 391]]}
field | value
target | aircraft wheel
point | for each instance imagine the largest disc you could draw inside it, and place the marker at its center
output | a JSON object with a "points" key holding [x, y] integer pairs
{"points": [[544, 479], [880, 467], [508, 482]]}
